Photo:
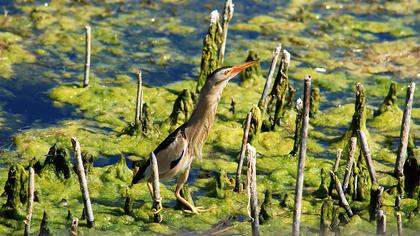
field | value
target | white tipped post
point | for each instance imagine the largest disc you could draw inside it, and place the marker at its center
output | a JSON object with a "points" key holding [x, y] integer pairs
{"points": [[242, 154], [83, 182], [269, 81], [227, 16], [31, 194], [87, 56], [405, 130], [252, 188], [302, 155]]}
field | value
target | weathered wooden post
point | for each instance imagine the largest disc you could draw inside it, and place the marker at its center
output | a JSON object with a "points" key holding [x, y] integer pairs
{"points": [[242, 154], [139, 101], [252, 188], [157, 201], [366, 153], [381, 223], [83, 183], [302, 154], [262, 104], [405, 130], [227, 16], [87, 56], [350, 163], [31, 191]]}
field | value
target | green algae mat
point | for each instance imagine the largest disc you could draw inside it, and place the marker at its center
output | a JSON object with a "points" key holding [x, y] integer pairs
{"points": [[340, 44]]}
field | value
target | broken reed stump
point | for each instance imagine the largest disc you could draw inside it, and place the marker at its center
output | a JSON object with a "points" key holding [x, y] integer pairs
{"points": [[73, 228], [87, 56], [139, 101], [44, 229], [238, 182], [381, 223], [227, 16], [405, 130], [399, 224], [359, 116], [298, 126], [31, 193], [279, 90], [342, 197], [252, 188], [250, 75], [209, 59], [157, 201], [147, 122], [15, 190], [322, 191], [262, 104], [390, 101], [411, 170], [315, 100], [290, 102], [128, 204], [256, 123], [182, 108], [302, 155], [350, 163], [266, 212], [232, 106], [376, 201], [326, 216], [83, 182], [366, 153]]}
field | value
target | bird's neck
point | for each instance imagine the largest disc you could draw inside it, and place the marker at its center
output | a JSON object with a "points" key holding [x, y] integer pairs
{"points": [[203, 116]]}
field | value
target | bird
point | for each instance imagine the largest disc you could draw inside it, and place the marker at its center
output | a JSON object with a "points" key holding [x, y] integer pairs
{"points": [[175, 154]]}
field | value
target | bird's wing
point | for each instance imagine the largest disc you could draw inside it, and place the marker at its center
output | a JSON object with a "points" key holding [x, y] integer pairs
{"points": [[168, 154]]}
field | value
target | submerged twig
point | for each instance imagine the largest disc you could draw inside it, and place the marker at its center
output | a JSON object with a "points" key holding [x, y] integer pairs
{"points": [[302, 154]]}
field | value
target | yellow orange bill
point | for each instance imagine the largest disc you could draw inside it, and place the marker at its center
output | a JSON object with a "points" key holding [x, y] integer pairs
{"points": [[238, 68]]}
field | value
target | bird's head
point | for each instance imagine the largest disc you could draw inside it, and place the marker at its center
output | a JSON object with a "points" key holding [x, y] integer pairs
{"points": [[228, 72]]}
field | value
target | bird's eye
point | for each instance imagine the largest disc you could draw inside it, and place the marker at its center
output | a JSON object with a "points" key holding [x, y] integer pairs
{"points": [[227, 72]]}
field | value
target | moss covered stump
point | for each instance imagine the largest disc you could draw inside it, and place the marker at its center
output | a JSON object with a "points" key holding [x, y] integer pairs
{"points": [[250, 75], [16, 191]]}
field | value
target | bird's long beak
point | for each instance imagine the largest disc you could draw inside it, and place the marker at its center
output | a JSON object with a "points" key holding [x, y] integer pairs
{"points": [[238, 68]]}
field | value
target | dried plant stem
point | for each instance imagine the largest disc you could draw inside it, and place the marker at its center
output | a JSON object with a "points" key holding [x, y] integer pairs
{"points": [[340, 192], [366, 153], [87, 55], [31, 191], [337, 159], [252, 188], [405, 130], [242, 154], [227, 16], [139, 100], [350, 163], [302, 154], [83, 182], [268, 83]]}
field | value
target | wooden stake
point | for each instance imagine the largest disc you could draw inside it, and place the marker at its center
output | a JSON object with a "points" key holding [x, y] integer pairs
{"points": [[405, 130], [227, 16], [139, 100], [381, 223], [87, 55], [337, 159], [350, 163], [156, 188], [83, 182], [74, 225], [31, 191], [366, 154], [340, 192], [302, 154], [399, 224], [268, 83], [242, 155], [252, 188]]}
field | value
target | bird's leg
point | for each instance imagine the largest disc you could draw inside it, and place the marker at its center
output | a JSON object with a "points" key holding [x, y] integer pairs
{"points": [[158, 208], [182, 179]]}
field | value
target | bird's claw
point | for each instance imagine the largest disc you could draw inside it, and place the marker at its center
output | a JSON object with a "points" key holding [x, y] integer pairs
{"points": [[156, 210], [197, 210]]}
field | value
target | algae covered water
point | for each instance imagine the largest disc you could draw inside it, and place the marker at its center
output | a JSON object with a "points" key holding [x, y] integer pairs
{"points": [[42, 103]]}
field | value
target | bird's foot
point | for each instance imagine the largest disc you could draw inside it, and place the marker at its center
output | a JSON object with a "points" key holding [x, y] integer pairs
{"points": [[197, 210], [157, 208]]}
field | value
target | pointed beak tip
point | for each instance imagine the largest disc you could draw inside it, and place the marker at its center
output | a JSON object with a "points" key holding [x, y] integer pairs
{"points": [[238, 68]]}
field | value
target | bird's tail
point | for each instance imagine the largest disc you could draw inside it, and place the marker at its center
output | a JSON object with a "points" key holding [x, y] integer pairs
{"points": [[140, 175]]}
